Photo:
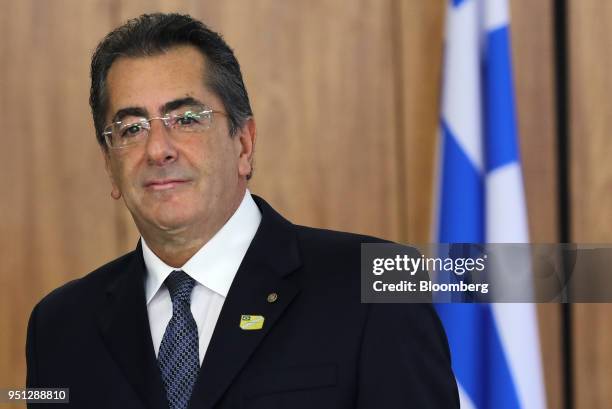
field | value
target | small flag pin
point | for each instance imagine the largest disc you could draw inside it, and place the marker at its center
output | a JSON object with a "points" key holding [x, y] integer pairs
{"points": [[251, 322]]}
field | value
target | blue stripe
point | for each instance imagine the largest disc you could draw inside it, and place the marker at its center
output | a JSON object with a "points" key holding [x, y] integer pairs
{"points": [[461, 199], [499, 123], [457, 3], [478, 357]]}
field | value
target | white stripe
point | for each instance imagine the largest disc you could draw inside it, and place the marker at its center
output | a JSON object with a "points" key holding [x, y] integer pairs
{"points": [[505, 199], [437, 190], [464, 399], [518, 332], [496, 14], [461, 103], [516, 323]]}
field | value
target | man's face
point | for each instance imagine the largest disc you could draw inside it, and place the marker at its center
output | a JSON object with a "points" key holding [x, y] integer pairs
{"points": [[175, 183]]}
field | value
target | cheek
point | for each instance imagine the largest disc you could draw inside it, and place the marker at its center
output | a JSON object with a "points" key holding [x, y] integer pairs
{"points": [[213, 156], [124, 174]]}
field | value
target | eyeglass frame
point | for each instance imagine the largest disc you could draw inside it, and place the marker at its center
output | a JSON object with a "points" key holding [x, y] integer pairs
{"points": [[108, 133]]}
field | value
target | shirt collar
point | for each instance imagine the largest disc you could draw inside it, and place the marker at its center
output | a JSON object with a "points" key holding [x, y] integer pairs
{"points": [[216, 263]]}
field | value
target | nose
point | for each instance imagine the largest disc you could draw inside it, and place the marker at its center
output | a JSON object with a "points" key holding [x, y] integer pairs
{"points": [[160, 147]]}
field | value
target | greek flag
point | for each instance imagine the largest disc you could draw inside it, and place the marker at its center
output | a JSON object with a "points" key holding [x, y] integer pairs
{"points": [[495, 347]]}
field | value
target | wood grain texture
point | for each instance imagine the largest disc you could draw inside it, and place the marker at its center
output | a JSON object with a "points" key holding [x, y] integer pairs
{"points": [[533, 58], [592, 356], [591, 120], [590, 47], [320, 78], [57, 217], [418, 70]]}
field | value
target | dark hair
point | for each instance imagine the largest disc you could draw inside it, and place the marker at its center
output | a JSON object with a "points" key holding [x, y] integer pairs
{"points": [[152, 34]]}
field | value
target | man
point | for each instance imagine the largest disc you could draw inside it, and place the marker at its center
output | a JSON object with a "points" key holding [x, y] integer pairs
{"points": [[223, 303]]}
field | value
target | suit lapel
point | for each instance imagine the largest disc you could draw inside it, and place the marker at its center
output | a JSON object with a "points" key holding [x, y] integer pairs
{"points": [[124, 326], [266, 269]]}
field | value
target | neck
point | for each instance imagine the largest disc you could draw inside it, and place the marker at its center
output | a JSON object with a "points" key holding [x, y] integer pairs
{"points": [[174, 254]]}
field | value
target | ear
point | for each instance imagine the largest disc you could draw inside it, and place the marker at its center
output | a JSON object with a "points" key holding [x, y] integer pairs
{"points": [[246, 139], [115, 192]]}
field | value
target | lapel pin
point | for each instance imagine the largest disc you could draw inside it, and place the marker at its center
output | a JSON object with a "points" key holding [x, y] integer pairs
{"points": [[251, 322], [272, 297]]}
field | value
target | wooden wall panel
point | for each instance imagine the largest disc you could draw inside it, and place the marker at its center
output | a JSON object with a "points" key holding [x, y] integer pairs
{"points": [[418, 70], [590, 49], [57, 220], [533, 58], [321, 82]]}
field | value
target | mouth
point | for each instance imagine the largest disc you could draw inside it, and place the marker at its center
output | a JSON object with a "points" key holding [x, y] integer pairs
{"points": [[164, 184]]}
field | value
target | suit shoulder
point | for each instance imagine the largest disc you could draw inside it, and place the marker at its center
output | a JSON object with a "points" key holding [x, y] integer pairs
{"points": [[83, 288], [336, 239], [332, 253]]}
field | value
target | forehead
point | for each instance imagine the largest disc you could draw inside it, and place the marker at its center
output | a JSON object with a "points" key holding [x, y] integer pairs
{"points": [[149, 82]]}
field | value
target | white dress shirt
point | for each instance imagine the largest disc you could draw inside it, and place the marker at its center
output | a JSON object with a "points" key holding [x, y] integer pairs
{"points": [[213, 268]]}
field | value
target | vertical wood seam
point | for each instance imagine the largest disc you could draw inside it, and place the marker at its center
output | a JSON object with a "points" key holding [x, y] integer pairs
{"points": [[400, 125]]}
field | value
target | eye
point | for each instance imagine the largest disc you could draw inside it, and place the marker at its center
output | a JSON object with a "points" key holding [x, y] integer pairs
{"points": [[131, 130], [187, 119]]}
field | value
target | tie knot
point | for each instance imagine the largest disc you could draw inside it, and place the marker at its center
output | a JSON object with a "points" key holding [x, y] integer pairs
{"points": [[180, 285]]}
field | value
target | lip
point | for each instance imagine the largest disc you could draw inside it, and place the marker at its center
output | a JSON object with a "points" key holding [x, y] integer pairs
{"points": [[164, 184]]}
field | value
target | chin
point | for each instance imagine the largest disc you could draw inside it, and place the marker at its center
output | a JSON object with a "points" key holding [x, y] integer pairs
{"points": [[173, 223], [171, 218]]}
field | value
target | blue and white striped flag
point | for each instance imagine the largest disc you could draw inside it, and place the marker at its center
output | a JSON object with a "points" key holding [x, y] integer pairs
{"points": [[495, 347]]}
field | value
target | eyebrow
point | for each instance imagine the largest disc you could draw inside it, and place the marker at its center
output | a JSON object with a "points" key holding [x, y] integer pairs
{"points": [[129, 111], [178, 103], [168, 106]]}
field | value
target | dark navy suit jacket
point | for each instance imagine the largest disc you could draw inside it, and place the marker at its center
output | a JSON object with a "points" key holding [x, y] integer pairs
{"points": [[320, 347]]}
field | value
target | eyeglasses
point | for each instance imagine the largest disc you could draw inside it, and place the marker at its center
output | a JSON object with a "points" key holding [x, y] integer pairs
{"points": [[133, 130]]}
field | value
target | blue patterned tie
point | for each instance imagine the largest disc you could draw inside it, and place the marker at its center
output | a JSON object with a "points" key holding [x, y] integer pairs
{"points": [[178, 353]]}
